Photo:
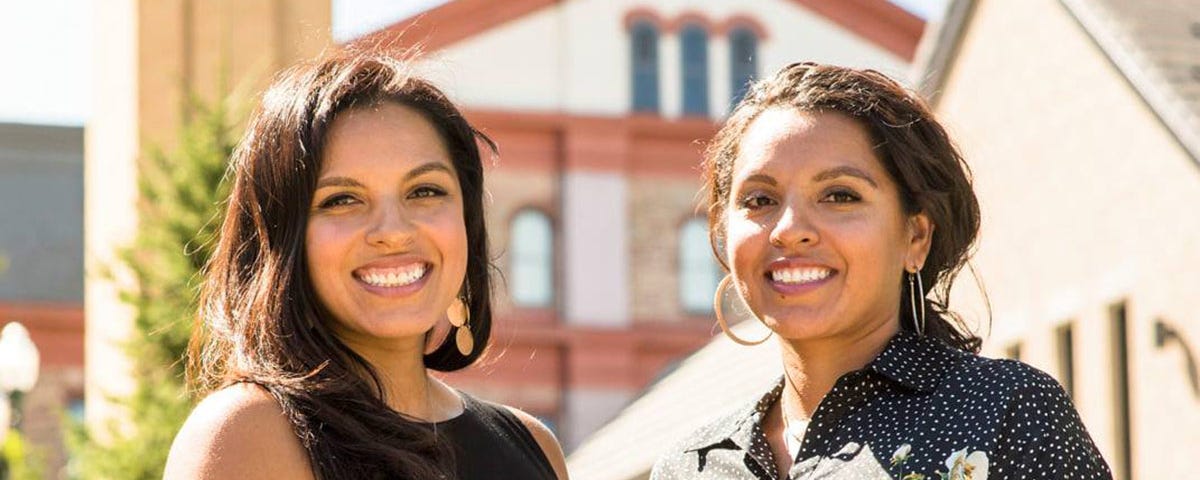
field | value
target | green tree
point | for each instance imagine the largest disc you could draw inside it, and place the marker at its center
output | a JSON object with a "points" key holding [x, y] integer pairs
{"points": [[179, 215]]}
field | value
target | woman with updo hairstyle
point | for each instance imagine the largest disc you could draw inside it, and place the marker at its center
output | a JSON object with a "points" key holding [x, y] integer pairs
{"points": [[352, 261], [842, 212]]}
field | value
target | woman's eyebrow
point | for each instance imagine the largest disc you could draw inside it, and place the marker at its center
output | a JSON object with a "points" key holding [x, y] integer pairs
{"points": [[338, 182], [761, 178], [428, 167], [416, 172], [844, 171]]}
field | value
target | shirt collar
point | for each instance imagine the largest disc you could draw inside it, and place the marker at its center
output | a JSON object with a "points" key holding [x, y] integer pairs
{"points": [[911, 360], [916, 361], [739, 426]]}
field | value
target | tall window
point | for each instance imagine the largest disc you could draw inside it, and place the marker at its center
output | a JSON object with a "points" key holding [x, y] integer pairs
{"points": [[644, 56], [1119, 352], [694, 39], [531, 260], [698, 272], [1065, 339], [743, 62]]}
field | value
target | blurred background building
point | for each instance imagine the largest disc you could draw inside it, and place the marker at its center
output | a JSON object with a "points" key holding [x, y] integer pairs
{"points": [[41, 266], [1079, 118]]}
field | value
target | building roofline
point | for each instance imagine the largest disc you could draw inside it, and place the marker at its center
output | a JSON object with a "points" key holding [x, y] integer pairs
{"points": [[1164, 101], [935, 62], [879, 21]]}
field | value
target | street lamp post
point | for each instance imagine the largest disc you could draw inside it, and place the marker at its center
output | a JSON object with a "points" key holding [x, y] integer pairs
{"points": [[19, 362]]}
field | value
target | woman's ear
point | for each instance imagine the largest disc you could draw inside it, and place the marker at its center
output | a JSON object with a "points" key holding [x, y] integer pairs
{"points": [[920, 239]]}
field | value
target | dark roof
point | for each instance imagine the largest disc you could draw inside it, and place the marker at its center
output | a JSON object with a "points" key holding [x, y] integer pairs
{"points": [[1155, 45]]}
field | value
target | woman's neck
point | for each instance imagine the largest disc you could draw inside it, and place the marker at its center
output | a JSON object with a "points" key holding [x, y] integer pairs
{"points": [[812, 367], [409, 389]]}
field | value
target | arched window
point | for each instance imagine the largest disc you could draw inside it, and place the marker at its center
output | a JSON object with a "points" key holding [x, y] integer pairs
{"points": [[743, 62], [644, 57], [698, 272], [694, 40], [531, 259]]}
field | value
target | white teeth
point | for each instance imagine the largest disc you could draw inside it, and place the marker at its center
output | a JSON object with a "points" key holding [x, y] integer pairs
{"points": [[394, 277], [800, 275]]}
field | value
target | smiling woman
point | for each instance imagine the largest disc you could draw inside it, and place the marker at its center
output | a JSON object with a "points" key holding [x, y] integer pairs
{"points": [[835, 197], [353, 246]]}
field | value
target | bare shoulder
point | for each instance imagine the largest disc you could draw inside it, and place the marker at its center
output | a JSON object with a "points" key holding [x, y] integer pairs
{"points": [[237, 432], [545, 439]]}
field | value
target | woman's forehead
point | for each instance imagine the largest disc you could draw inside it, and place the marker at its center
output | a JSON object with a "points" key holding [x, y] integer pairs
{"points": [[789, 139]]}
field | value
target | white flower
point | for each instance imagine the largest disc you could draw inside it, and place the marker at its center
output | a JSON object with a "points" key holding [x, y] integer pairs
{"points": [[901, 454], [963, 466]]}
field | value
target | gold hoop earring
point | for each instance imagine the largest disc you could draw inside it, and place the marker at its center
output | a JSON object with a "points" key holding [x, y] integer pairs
{"points": [[717, 310], [460, 318], [914, 298]]}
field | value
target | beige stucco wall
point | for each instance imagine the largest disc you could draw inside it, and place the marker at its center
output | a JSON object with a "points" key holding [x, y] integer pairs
{"points": [[149, 54], [1087, 201]]}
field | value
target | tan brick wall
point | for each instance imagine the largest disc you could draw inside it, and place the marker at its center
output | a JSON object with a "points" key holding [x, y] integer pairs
{"points": [[659, 206], [509, 191], [1087, 201]]}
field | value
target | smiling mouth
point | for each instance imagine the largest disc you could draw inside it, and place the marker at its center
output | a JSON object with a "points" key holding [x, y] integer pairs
{"points": [[799, 276], [392, 277]]}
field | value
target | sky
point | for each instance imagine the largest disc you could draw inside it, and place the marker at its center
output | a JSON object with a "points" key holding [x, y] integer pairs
{"points": [[46, 62]]}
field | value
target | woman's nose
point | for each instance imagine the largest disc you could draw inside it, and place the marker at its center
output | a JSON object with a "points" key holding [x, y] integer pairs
{"points": [[390, 227], [794, 228]]}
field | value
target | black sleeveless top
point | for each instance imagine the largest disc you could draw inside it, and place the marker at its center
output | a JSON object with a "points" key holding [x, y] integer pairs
{"points": [[492, 443]]}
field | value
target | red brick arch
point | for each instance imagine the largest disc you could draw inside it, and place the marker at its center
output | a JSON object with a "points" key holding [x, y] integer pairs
{"points": [[743, 21], [644, 14]]}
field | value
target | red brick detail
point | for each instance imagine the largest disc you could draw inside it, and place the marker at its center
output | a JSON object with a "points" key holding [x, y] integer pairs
{"points": [[691, 18], [449, 23], [879, 21], [635, 144], [742, 21], [56, 329], [644, 14]]}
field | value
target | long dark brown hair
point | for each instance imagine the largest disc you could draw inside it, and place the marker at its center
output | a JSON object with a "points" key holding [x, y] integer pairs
{"points": [[915, 150], [260, 320]]}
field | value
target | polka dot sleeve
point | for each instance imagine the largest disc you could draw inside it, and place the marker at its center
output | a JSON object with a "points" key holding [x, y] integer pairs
{"points": [[1043, 437]]}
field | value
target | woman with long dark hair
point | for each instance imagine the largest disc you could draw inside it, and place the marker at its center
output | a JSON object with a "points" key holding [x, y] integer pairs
{"points": [[352, 260], [843, 212]]}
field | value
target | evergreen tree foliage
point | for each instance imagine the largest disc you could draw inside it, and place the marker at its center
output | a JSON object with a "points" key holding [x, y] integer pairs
{"points": [[179, 208]]}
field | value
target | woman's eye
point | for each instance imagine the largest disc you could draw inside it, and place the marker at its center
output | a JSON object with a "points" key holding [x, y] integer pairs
{"points": [[841, 196], [754, 202], [337, 201], [427, 192]]}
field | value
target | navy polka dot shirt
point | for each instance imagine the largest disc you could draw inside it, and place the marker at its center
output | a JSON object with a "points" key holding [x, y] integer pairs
{"points": [[921, 410]]}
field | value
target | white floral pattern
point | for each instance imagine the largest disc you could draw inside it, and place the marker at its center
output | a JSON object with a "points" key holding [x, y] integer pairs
{"points": [[901, 454], [964, 466]]}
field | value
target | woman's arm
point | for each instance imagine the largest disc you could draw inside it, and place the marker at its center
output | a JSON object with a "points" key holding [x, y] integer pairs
{"points": [[237, 432], [545, 439]]}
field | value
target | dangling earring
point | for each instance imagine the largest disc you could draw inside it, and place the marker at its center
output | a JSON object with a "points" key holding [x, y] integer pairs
{"points": [[916, 296], [460, 318], [717, 309]]}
